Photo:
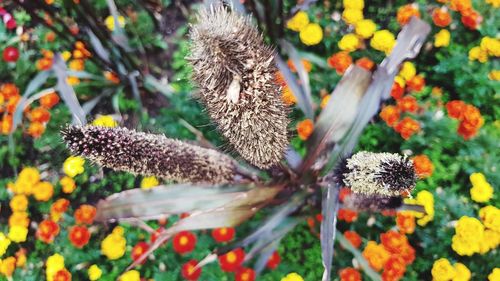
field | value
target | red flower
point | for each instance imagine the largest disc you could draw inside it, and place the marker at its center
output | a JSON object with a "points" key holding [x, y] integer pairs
{"points": [[305, 129], [245, 274], [423, 166], [340, 61], [344, 192], [155, 234], [394, 268], [274, 260], [319, 217], [455, 108], [347, 215], [79, 236], [407, 127], [224, 234], [353, 237], [47, 231], [85, 214], [62, 275], [397, 91], [441, 17], [189, 273], [349, 274], [365, 63], [390, 114], [405, 223], [11, 24], [184, 242], [139, 249], [10, 54], [407, 104], [416, 84], [471, 19], [232, 260]]}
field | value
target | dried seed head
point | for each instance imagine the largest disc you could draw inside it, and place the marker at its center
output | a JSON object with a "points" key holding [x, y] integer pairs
{"points": [[148, 154], [384, 174], [235, 73], [372, 203]]}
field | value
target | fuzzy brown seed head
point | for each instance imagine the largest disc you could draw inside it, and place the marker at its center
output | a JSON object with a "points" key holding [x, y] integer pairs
{"points": [[234, 70], [372, 203], [149, 154]]}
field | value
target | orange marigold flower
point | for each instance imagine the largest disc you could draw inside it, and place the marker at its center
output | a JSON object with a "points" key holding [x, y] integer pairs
{"points": [[407, 104], [344, 192], [68, 184], [406, 12], [111, 77], [36, 129], [184, 242], [460, 5], [394, 268], [19, 219], [423, 166], [305, 129], [471, 19], [188, 271], [349, 274], [47, 231], [441, 17], [279, 78], [471, 122], [9, 90], [12, 104], [245, 274], [85, 214], [6, 124], [305, 63], [77, 65], [390, 114], [139, 249], [43, 190], [274, 260], [340, 61], [347, 215], [455, 108], [287, 96], [365, 63], [79, 236], [393, 241], [353, 237], [50, 36], [44, 64], [376, 255], [324, 101], [397, 91], [8, 266], [39, 114], [49, 100], [62, 275], [58, 208], [232, 260], [405, 222], [416, 84], [408, 253], [223, 234], [407, 127]]}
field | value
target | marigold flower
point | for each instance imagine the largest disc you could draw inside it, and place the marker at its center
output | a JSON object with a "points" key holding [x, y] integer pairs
{"points": [[36, 129], [494, 275], [19, 203], [407, 71], [394, 268], [245, 274], [47, 231], [139, 249], [441, 17], [365, 63], [311, 34], [49, 100], [305, 64], [184, 242], [426, 199], [494, 75], [376, 255], [397, 91], [68, 184], [113, 246], [7, 266], [111, 77], [77, 65], [353, 237], [481, 192], [423, 166], [471, 122], [468, 234], [287, 96], [347, 215], [462, 272], [365, 28], [406, 12], [471, 19], [131, 275], [352, 16], [149, 182], [442, 38], [231, 261], [305, 129], [407, 104], [105, 121], [407, 127], [405, 222], [324, 101], [274, 260], [293, 276], [490, 45], [44, 64], [349, 42], [393, 241], [349, 274], [43, 191], [442, 270], [455, 108], [59, 206], [189, 272], [73, 80], [390, 114], [223, 234], [18, 233], [299, 21], [85, 214], [62, 275], [94, 272], [73, 166], [53, 264], [19, 219], [490, 216], [340, 61], [476, 53], [4, 243], [383, 40], [110, 22], [79, 236], [354, 4], [460, 5], [416, 84]]}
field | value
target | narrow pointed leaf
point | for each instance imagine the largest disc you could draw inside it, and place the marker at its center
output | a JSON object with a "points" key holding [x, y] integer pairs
{"points": [[330, 207]]}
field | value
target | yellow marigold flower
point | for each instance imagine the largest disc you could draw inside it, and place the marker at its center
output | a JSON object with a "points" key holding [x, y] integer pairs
{"points": [[442, 38], [43, 191], [349, 42], [66, 55], [4, 243], [462, 272], [131, 275], [53, 264], [490, 241], [149, 182], [7, 266], [105, 121], [408, 71], [476, 53], [18, 233], [21, 187], [490, 216], [376, 255], [94, 272], [477, 178], [77, 65], [29, 175], [398, 79], [19, 218], [352, 16], [354, 4], [298, 21], [324, 101], [365, 28], [494, 75], [113, 246], [19, 203], [21, 260], [442, 270], [491, 46], [292, 277], [68, 184], [426, 199], [494, 275], [482, 192], [468, 234], [311, 34], [494, 3], [111, 24], [383, 40], [287, 96], [73, 80], [73, 166]]}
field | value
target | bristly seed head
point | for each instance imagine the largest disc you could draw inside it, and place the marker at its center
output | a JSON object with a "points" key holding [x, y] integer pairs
{"points": [[372, 203], [149, 154], [235, 72], [385, 174]]}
